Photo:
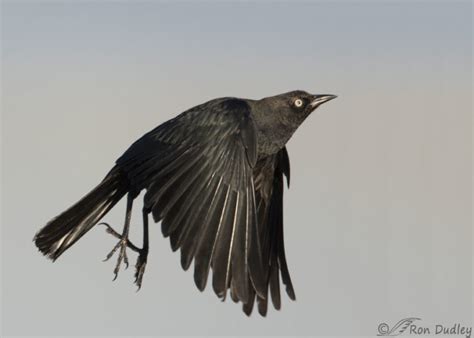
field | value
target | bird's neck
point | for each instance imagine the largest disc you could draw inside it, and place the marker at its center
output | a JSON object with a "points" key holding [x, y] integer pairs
{"points": [[273, 129]]}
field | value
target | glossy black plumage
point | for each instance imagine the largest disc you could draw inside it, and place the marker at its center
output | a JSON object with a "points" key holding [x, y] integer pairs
{"points": [[213, 176]]}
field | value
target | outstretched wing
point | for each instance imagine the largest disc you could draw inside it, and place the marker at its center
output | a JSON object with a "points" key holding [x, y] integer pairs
{"points": [[197, 172], [268, 176]]}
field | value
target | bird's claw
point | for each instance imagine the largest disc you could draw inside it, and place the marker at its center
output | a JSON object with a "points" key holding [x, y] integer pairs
{"points": [[122, 257]]}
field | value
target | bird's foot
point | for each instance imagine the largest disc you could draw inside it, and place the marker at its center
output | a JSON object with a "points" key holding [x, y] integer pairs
{"points": [[122, 244], [122, 256], [140, 267]]}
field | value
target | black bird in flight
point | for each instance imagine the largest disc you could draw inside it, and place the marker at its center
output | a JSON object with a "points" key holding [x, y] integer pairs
{"points": [[213, 176]]}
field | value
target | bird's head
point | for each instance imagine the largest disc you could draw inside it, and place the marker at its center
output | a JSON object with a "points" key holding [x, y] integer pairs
{"points": [[277, 117], [298, 102], [293, 107]]}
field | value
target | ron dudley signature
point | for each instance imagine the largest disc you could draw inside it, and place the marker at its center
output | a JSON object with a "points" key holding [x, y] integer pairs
{"points": [[412, 326]]}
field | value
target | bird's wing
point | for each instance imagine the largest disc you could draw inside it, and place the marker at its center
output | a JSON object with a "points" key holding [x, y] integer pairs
{"points": [[197, 170], [268, 175]]}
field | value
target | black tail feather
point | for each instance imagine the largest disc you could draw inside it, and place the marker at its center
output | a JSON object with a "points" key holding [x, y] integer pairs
{"points": [[64, 230]]}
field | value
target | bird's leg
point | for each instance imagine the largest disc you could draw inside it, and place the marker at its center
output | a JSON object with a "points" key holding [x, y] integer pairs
{"points": [[143, 252], [123, 239]]}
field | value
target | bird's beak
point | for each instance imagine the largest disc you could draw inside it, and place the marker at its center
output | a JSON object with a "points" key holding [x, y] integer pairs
{"points": [[320, 99]]}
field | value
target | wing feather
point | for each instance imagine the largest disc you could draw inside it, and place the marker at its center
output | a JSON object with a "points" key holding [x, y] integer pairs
{"points": [[223, 241], [240, 250]]}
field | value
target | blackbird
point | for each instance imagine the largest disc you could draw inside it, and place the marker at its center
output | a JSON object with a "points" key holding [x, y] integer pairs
{"points": [[213, 177]]}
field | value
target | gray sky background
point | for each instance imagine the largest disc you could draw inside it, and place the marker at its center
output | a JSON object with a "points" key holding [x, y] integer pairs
{"points": [[378, 218]]}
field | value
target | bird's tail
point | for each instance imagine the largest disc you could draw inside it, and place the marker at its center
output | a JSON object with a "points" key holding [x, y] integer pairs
{"points": [[64, 230]]}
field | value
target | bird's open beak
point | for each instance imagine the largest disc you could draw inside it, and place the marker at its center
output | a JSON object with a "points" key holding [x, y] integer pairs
{"points": [[320, 99]]}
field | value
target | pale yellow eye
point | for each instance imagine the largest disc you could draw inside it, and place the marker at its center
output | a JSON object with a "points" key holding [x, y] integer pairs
{"points": [[298, 103]]}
